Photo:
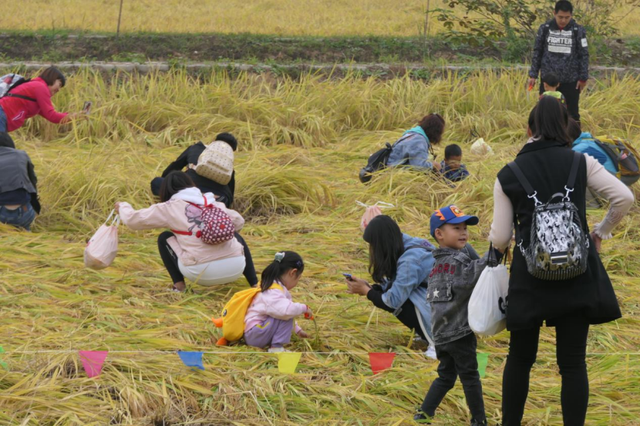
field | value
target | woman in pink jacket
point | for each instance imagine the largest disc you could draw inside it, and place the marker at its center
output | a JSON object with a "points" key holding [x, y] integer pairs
{"points": [[270, 318], [32, 98], [183, 252]]}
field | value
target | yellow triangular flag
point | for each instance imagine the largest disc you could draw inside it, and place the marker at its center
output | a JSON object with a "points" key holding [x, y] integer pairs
{"points": [[288, 361]]}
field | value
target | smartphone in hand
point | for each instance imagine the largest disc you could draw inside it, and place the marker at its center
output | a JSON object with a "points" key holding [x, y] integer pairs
{"points": [[87, 107], [347, 276]]}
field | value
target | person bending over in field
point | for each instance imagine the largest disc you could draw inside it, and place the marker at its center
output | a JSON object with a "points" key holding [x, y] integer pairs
{"points": [[400, 266], [18, 196], [190, 250], [413, 148], [223, 193], [31, 98], [189, 159]]}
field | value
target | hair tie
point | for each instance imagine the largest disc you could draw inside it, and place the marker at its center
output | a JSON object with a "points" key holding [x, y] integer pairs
{"points": [[299, 264], [279, 256]]}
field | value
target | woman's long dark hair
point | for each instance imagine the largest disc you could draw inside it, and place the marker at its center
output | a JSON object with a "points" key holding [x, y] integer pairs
{"points": [[385, 247], [283, 263], [174, 183], [551, 121]]}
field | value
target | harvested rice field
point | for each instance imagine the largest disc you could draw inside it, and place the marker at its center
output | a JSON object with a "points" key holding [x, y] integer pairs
{"points": [[302, 144], [281, 17]]}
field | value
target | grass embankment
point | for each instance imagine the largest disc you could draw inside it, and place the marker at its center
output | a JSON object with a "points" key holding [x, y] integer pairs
{"points": [[302, 145], [282, 17], [279, 52]]}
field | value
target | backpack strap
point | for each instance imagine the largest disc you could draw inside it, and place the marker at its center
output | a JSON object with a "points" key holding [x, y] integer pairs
{"points": [[276, 286], [531, 193], [407, 136], [574, 171], [26, 98]]}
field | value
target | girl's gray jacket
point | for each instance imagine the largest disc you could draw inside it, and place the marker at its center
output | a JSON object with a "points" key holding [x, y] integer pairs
{"points": [[16, 171]]}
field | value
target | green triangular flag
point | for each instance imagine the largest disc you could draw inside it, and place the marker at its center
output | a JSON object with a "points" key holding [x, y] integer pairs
{"points": [[2, 363], [482, 363]]}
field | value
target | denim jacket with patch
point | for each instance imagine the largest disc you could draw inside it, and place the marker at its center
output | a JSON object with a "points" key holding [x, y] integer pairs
{"points": [[411, 150], [451, 281]]}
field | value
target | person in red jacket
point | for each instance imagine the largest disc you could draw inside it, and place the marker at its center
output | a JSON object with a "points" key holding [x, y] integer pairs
{"points": [[33, 98]]}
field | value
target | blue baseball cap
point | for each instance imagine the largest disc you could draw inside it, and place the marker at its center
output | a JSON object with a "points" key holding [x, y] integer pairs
{"points": [[450, 214]]}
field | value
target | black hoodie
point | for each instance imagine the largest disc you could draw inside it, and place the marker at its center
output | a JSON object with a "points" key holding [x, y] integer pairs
{"points": [[561, 51]]}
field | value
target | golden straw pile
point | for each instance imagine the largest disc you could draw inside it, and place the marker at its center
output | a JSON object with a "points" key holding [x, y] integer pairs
{"points": [[281, 17]]}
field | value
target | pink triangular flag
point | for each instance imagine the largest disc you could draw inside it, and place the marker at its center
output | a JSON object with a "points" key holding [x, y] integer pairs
{"points": [[92, 361], [381, 361]]}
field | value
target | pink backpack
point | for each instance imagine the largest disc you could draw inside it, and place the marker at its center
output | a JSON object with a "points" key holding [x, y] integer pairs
{"points": [[215, 225]]}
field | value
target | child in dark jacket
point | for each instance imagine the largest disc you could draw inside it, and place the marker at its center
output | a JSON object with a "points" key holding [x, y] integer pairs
{"points": [[452, 167], [551, 84], [451, 282]]}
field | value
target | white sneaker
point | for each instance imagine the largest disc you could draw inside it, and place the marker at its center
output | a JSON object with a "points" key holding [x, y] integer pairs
{"points": [[431, 353], [276, 350]]}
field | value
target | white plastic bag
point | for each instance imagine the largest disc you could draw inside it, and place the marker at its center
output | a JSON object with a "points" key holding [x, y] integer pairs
{"points": [[103, 246], [480, 147], [487, 314]]}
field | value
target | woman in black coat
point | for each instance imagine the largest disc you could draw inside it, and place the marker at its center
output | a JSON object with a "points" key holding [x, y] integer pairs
{"points": [[223, 193], [570, 305]]}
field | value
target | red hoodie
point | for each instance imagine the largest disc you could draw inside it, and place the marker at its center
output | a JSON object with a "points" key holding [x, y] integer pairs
{"points": [[17, 109]]}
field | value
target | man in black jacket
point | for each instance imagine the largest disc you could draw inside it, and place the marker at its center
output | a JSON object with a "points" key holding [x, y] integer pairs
{"points": [[561, 48]]}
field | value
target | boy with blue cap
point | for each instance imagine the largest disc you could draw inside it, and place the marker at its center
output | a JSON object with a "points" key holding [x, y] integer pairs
{"points": [[452, 279]]}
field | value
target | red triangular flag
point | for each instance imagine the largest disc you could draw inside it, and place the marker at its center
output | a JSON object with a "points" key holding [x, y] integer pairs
{"points": [[381, 361], [92, 361]]}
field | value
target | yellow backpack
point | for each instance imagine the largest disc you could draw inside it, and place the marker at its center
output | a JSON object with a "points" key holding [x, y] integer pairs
{"points": [[624, 156], [232, 319]]}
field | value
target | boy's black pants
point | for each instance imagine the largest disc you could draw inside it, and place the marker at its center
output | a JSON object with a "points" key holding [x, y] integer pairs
{"points": [[457, 358]]}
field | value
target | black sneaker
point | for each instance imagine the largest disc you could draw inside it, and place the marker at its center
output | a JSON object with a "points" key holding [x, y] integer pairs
{"points": [[421, 418]]}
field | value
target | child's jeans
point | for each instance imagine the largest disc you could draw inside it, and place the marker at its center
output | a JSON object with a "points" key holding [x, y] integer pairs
{"points": [[457, 358], [21, 217], [271, 332]]}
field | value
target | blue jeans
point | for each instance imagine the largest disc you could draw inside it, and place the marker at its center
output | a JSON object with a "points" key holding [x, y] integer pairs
{"points": [[21, 217], [3, 121]]}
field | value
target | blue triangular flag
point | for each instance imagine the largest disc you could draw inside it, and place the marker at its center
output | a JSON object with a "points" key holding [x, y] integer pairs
{"points": [[191, 359]]}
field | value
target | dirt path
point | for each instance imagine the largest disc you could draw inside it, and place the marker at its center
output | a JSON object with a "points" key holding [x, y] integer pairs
{"points": [[417, 71]]}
